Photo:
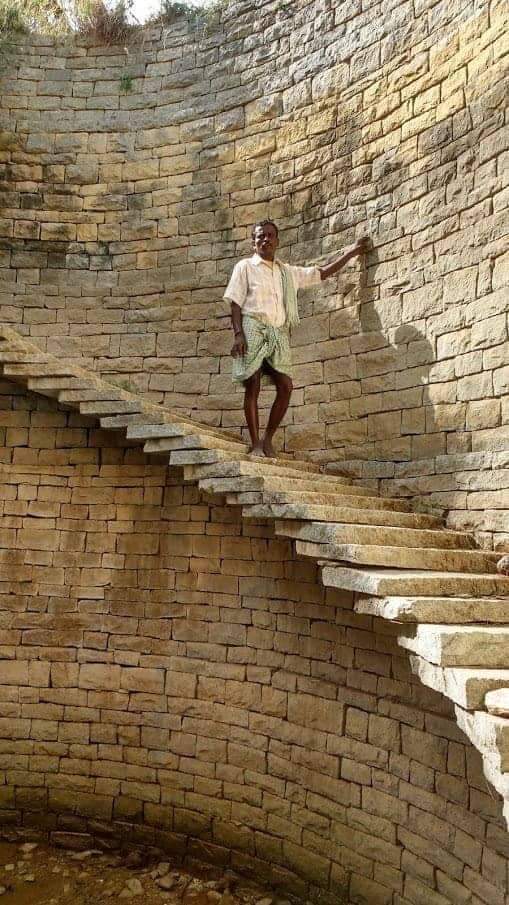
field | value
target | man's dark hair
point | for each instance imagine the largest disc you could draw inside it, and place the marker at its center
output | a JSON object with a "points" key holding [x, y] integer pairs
{"points": [[263, 223]]}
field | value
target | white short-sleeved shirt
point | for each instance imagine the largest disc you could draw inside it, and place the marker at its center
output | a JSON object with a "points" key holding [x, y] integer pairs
{"points": [[256, 287]]}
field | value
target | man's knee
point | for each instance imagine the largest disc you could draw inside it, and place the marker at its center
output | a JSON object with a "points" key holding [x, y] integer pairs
{"points": [[285, 385], [252, 385]]}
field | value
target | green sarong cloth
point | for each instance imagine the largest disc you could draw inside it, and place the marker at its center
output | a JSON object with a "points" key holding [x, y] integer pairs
{"points": [[268, 343], [264, 343]]}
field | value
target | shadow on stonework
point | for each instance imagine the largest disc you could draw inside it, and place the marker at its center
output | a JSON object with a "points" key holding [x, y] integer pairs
{"points": [[394, 361]]}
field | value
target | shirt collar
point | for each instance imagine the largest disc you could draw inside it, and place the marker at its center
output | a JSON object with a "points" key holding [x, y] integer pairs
{"points": [[256, 259]]}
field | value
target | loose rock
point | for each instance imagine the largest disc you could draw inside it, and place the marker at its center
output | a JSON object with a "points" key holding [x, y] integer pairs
{"points": [[167, 882]]}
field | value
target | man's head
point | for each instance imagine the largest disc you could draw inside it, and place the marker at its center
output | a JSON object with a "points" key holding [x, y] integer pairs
{"points": [[265, 239]]}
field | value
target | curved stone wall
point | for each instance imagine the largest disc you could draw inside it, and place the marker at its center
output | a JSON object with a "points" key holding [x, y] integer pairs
{"points": [[123, 212], [173, 676]]}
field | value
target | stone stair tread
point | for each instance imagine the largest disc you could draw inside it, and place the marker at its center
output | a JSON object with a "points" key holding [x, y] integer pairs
{"points": [[121, 407], [284, 489], [413, 582], [402, 557], [16, 356], [490, 735], [198, 464], [339, 497], [451, 604], [52, 368], [453, 610], [337, 533], [346, 515], [497, 701], [459, 645], [254, 466], [169, 431], [55, 385], [105, 393], [465, 686], [192, 441], [272, 481]]}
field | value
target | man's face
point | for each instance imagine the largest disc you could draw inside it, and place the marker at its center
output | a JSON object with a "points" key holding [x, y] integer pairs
{"points": [[265, 242]]}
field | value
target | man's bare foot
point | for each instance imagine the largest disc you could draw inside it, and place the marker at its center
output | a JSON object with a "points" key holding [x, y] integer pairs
{"points": [[268, 448], [257, 449]]}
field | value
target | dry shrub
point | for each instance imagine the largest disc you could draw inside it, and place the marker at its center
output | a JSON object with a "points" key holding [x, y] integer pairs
{"points": [[105, 24]]}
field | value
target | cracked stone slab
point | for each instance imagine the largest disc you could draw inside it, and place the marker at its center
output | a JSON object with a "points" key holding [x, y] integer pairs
{"points": [[497, 701], [336, 533], [454, 610], [347, 515], [402, 557], [466, 687], [411, 582], [466, 645]]}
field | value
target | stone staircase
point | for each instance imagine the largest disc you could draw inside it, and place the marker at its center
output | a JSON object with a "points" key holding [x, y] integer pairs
{"points": [[404, 566]]}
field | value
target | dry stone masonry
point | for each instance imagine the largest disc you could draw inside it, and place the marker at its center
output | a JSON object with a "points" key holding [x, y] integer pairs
{"points": [[296, 669], [176, 672], [124, 211]]}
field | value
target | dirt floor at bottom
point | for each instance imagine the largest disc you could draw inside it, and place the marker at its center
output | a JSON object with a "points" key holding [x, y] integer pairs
{"points": [[34, 874]]}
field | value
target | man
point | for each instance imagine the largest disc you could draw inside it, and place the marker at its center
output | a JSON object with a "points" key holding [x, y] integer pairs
{"points": [[263, 296]]}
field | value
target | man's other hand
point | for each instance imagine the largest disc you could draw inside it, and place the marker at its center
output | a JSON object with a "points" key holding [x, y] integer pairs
{"points": [[239, 347]]}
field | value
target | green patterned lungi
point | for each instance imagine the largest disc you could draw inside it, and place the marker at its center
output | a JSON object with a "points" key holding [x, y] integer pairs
{"points": [[264, 343]]}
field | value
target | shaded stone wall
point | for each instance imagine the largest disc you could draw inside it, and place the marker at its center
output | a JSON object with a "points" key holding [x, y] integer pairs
{"points": [[123, 213], [172, 676]]}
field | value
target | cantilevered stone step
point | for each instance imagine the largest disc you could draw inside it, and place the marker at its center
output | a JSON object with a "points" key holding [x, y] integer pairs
{"points": [[338, 498], [122, 406], [54, 385], [254, 467], [346, 515], [481, 729], [196, 460], [120, 422], [269, 484], [447, 610], [104, 393], [403, 557], [465, 686], [490, 735], [334, 533], [415, 582], [15, 356], [497, 702], [170, 431], [465, 645], [52, 368], [193, 441], [153, 415], [179, 428], [187, 436]]}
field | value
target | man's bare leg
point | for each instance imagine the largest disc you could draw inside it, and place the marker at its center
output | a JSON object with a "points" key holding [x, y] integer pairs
{"points": [[252, 391], [284, 387]]}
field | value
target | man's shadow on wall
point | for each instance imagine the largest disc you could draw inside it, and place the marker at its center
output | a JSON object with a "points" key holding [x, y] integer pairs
{"points": [[405, 356]]}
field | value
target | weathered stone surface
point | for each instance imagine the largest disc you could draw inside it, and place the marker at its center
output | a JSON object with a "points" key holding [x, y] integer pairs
{"points": [[228, 702], [456, 610], [459, 646], [497, 702], [390, 582], [401, 557]]}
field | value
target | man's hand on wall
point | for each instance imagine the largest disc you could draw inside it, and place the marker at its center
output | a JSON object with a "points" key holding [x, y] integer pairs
{"points": [[361, 246]]}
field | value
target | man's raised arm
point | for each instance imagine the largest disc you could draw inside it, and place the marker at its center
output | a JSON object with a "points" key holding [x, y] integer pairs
{"points": [[328, 270]]}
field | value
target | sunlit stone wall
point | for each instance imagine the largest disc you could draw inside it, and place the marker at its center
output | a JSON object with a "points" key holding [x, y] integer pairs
{"points": [[124, 209]]}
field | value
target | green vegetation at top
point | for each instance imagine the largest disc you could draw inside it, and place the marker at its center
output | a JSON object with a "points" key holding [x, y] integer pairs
{"points": [[106, 21]]}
